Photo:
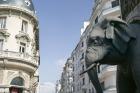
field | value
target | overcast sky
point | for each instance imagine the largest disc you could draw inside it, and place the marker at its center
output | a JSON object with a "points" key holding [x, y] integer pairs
{"points": [[60, 24]]}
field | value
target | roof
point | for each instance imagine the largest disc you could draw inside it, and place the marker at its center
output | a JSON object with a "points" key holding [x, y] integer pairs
{"points": [[25, 4]]}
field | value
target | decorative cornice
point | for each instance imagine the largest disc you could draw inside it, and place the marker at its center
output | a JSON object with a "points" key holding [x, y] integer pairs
{"points": [[23, 35], [6, 7]]}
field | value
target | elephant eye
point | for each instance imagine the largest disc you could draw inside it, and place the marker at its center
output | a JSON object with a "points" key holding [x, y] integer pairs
{"points": [[96, 41]]}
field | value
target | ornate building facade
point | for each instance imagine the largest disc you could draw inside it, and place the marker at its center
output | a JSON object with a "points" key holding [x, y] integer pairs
{"points": [[19, 47]]}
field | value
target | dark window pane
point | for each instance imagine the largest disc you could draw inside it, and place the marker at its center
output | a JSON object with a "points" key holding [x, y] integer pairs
{"points": [[2, 22], [24, 26], [17, 81], [96, 20], [115, 3], [103, 85], [1, 44]]}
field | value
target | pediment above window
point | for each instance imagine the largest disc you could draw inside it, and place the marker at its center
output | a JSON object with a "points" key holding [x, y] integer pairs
{"points": [[4, 33], [23, 36]]}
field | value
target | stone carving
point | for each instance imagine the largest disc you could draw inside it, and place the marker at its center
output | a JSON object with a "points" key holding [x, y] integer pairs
{"points": [[128, 6], [115, 42]]}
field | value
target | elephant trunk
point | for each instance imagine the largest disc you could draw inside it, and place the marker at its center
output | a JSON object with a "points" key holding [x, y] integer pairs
{"points": [[92, 73]]}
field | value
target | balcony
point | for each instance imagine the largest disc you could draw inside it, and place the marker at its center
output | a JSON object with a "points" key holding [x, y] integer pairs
{"points": [[19, 60], [111, 11], [106, 71]]}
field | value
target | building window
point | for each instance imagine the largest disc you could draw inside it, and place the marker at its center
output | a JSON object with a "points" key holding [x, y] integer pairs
{"points": [[103, 85], [27, 2], [98, 68], [73, 78], [92, 90], [96, 20], [83, 81], [1, 44], [73, 89], [73, 58], [89, 91], [85, 91], [17, 81], [2, 22], [82, 44], [119, 17], [83, 68], [24, 26], [89, 80], [22, 47], [82, 57], [115, 3]]}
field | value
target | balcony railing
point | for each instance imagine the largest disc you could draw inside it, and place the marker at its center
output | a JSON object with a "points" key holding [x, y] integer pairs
{"points": [[110, 10], [19, 56]]}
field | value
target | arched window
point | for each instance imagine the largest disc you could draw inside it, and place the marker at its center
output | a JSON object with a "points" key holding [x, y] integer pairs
{"points": [[17, 81]]}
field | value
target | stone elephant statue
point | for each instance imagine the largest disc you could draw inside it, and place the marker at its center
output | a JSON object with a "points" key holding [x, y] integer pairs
{"points": [[114, 42]]}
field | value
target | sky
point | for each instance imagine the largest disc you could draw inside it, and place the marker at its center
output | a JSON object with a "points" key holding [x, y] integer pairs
{"points": [[60, 22]]}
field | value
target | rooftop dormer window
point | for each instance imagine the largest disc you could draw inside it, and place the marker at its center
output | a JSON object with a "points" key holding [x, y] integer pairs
{"points": [[27, 2]]}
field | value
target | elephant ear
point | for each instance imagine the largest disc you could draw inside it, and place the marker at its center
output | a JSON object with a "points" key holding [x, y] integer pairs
{"points": [[120, 33]]}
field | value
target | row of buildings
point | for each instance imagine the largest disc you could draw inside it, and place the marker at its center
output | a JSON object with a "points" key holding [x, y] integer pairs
{"points": [[71, 81]]}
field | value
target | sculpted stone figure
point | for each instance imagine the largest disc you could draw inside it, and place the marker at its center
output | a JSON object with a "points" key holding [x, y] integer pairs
{"points": [[114, 42]]}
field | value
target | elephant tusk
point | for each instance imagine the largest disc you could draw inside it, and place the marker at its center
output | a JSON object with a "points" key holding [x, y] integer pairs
{"points": [[89, 68]]}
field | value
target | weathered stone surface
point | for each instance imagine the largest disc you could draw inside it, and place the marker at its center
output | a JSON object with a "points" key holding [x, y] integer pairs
{"points": [[130, 10]]}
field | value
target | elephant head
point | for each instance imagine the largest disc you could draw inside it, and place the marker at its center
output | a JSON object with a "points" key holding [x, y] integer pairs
{"points": [[108, 42]]}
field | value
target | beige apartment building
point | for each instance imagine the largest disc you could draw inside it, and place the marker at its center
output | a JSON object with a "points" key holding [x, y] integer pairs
{"points": [[58, 86], [66, 81], [19, 47], [81, 83]]}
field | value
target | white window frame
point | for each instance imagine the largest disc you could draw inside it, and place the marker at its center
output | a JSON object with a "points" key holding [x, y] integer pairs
{"points": [[22, 47], [1, 44], [2, 22], [24, 27]]}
